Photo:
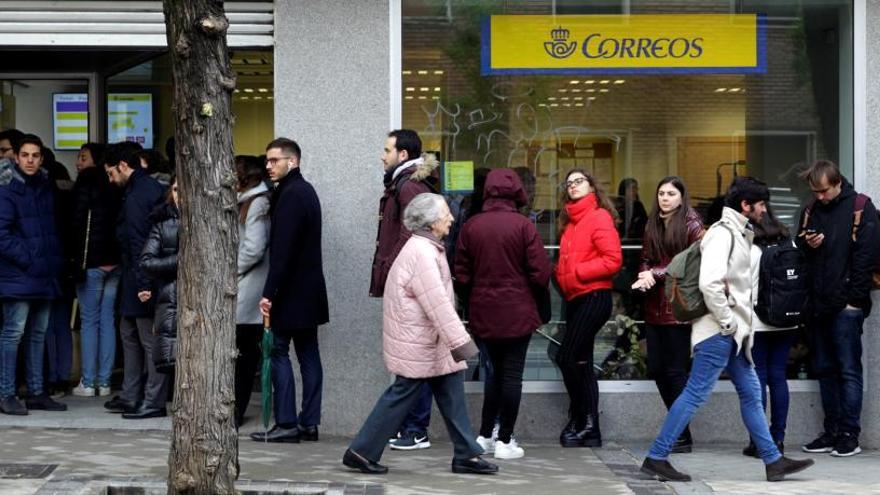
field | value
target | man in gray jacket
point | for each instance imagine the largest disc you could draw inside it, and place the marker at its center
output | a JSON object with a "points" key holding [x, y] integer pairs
{"points": [[722, 339]]}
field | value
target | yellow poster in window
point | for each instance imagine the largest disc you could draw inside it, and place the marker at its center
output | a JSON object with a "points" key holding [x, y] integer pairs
{"points": [[624, 44]]}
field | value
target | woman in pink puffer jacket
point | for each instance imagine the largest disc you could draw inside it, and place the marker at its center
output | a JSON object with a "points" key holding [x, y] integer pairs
{"points": [[423, 340]]}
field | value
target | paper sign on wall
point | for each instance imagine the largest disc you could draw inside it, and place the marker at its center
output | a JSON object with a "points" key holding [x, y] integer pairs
{"points": [[458, 176]]}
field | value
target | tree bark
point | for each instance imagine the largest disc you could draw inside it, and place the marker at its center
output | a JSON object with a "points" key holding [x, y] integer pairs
{"points": [[204, 442]]}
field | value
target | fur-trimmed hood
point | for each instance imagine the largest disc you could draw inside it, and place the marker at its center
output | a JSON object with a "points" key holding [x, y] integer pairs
{"points": [[424, 165], [10, 172]]}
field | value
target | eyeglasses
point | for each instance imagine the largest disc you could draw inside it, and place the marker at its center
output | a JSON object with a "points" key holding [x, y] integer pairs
{"points": [[273, 161], [575, 182]]}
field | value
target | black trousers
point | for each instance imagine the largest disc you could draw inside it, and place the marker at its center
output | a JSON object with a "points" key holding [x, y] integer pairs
{"points": [[669, 357], [247, 340], [584, 317], [504, 391]]}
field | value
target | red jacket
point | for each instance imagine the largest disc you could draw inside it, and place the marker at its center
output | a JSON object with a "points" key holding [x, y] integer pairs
{"points": [[589, 251], [658, 310], [501, 259]]}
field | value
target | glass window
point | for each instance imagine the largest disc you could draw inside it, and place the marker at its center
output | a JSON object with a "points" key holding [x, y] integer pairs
{"points": [[129, 92], [630, 129]]}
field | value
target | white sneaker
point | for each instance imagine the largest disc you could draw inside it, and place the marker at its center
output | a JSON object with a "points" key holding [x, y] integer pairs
{"points": [[488, 444], [104, 391], [83, 391], [509, 450]]}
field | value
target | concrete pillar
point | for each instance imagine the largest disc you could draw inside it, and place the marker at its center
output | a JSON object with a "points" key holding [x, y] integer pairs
{"points": [[332, 97], [871, 338]]}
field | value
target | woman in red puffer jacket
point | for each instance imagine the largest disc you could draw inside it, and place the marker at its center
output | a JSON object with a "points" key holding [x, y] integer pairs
{"points": [[589, 257], [672, 226]]}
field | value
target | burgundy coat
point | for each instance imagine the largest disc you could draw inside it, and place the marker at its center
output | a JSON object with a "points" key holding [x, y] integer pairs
{"points": [[658, 310], [500, 258], [392, 235]]}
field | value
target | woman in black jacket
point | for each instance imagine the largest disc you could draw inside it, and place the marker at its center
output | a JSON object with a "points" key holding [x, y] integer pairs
{"points": [[159, 262], [96, 254]]}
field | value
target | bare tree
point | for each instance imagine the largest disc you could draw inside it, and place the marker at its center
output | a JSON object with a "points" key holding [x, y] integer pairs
{"points": [[204, 442]]}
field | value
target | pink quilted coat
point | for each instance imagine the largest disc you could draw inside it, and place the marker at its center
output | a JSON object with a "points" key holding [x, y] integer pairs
{"points": [[420, 325]]}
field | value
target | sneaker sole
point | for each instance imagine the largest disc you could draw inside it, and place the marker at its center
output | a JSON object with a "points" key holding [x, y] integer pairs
{"points": [[509, 456], [858, 450], [823, 450], [418, 446], [659, 477]]}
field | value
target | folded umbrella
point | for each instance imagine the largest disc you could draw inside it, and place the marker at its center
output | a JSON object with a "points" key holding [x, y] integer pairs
{"points": [[266, 372]]}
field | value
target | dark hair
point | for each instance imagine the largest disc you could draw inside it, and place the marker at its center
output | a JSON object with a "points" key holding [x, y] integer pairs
{"points": [[28, 139], [286, 146], [169, 198], [409, 140], [123, 151], [601, 199], [154, 160], [13, 135], [249, 171], [748, 189], [664, 239], [96, 150], [822, 168], [627, 183], [769, 230]]}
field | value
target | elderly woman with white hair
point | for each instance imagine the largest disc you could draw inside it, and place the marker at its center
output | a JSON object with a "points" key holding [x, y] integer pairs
{"points": [[423, 340]]}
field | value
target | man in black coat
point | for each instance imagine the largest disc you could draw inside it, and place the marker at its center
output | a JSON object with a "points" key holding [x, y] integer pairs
{"points": [[295, 296], [841, 237], [139, 399]]}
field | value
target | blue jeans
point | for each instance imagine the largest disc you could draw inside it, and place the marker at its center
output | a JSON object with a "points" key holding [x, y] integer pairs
{"points": [[711, 357], [837, 362], [305, 343], [59, 341], [770, 354], [419, 417], [19, 316], [97, 299]]}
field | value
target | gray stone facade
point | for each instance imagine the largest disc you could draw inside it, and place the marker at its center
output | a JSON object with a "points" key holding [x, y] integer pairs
{"points": [[332, 95]]}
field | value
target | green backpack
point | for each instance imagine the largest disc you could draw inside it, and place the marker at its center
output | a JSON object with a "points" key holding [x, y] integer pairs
{"points": [[683, 283]]}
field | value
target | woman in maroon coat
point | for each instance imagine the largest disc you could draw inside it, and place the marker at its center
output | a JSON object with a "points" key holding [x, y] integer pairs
{"points": [[500, 260], [672, 226]]}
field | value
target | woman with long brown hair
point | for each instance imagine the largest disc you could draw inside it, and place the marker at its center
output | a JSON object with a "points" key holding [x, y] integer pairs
{"points": [[589, 257], [672, 226]]}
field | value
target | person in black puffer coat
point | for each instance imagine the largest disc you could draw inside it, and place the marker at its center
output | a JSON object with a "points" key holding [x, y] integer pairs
{"points": [[159, 262]]}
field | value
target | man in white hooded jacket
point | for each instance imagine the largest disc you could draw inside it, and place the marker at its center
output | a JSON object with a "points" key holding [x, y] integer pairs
{"points": [[722, 339]]}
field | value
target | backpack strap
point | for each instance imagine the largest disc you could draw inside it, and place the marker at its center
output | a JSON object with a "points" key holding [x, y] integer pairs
{"points": [[858, 209]]}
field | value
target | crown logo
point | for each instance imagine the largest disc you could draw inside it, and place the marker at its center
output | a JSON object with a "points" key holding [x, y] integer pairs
{"points": [[559, 34], [559, 47]]}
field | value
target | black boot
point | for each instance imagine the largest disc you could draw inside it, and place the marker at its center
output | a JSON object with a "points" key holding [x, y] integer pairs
{"points": [[584, 432], [751, 449], [777, 471], [684, 444]]}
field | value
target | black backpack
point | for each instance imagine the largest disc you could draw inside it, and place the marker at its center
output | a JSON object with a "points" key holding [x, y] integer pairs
{"points": [[783, 291]]}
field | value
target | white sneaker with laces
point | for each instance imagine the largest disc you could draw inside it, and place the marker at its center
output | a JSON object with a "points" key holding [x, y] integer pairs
{"points": [[83, 391], [510, 450], [104, 391], [488, 444]]}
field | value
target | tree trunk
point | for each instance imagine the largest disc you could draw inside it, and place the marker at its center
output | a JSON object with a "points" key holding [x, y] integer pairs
{"points": [[204, 441]]}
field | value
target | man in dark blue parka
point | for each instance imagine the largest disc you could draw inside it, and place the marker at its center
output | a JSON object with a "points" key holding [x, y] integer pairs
{"points": [[295, 294], [30, 263]]}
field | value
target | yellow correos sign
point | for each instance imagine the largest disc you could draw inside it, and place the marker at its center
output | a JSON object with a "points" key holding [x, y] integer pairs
{"points": [[655, 43]]}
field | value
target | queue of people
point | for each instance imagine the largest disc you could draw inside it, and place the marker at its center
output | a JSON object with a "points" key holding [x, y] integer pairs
{"points": [[124, 248]]}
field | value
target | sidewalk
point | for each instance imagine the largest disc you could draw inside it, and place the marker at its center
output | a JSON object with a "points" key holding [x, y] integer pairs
{"points": [[85, 449]]}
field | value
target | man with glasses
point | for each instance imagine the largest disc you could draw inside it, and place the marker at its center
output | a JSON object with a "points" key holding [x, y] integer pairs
{"points": [[139, 399], [29, 269], [295, 295], [8, 141]]}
